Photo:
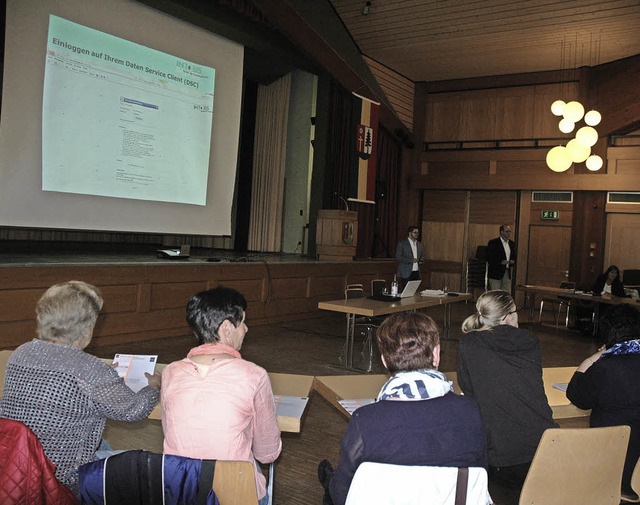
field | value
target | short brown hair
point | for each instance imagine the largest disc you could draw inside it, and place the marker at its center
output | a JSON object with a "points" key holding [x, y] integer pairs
{"points": [[407, 340]]}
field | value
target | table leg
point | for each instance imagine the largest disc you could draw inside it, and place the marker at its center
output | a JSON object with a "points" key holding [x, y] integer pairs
{"points": [[447, 320], [270, 483], [351, 324], [596, 318], [532, 306]]}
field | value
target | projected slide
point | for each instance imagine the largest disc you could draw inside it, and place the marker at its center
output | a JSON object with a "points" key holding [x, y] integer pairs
{"points": [[123, 120]]}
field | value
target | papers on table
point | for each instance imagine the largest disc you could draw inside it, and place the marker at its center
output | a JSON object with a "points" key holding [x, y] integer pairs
{"points": [[432, 292], [562, 386], [290, 406], [131, 367], [351, 405]]}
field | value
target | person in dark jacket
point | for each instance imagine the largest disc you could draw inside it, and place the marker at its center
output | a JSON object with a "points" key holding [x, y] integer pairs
{"points": [[501, 258], [416, 420], [609, 283], [608, 382], [499, 365]]}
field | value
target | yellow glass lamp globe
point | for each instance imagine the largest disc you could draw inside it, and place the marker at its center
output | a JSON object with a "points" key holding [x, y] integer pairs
{"points": [[577, 151], [573, 111], [557, 107], [592, 118], [558, 159], [594, 162], [566, 126], [587, 136]]}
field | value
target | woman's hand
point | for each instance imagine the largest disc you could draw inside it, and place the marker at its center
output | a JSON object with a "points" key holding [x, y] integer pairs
{"points": [[154, 380], [584, 366]]}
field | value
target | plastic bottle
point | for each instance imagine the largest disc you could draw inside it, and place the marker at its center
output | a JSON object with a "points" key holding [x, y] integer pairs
{"points": [[394, 287]]}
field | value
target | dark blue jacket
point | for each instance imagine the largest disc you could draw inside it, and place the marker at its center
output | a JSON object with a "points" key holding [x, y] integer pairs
{"points": [[445, 431], [141, 477]]}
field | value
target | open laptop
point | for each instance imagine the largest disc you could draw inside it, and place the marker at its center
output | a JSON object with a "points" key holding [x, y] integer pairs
{"points": [[410, 289]]}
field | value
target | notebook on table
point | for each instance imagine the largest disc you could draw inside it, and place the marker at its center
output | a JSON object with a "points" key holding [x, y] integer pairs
{"points": [[410, 289]]}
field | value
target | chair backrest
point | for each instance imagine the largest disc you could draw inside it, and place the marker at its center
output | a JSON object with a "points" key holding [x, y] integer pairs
{"points": [[635, 479], [567, 285], [577, 466], [354, 292], [234, 482], [378, 286], [414, 485]]}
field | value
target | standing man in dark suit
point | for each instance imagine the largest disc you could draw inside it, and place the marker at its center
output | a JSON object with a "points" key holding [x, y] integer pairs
{"points": [[410, 253], [501, 256]]}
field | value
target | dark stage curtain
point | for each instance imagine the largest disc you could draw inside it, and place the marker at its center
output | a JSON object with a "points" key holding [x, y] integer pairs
{"points": [[376, 223]]}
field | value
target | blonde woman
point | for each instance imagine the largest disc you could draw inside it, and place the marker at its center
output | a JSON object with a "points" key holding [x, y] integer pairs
{"points": [[499, 365]]}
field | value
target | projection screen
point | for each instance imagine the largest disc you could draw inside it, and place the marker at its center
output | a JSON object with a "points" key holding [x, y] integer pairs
{"points": [[117, 117]]}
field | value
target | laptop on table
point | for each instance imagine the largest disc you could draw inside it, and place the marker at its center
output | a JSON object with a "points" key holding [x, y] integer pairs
{"points": [[409, 290]]}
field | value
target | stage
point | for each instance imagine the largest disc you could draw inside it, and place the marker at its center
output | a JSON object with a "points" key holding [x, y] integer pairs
{"points": [[145, 296]]}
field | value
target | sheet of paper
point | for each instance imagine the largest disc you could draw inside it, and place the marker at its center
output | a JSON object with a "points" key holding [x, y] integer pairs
{"points": [[131, 367], [351, 405], [432, 292], [562, 386], [290, 406]]}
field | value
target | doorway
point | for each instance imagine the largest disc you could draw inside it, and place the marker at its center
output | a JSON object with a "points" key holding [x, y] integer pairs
{"points": [[549, 253]]}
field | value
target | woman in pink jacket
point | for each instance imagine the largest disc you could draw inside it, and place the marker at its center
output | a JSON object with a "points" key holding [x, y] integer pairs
{"points": [[215, 405]]}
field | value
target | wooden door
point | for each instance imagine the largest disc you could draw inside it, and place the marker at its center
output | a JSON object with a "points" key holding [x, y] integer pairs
{"points": [[623, 236], [549, 251]]}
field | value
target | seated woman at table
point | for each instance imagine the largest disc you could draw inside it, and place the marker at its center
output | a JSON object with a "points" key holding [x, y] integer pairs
{"points": [[64, 394], [215, 405], [608, 382], [609, 283], [499, 365], [416, 420]]}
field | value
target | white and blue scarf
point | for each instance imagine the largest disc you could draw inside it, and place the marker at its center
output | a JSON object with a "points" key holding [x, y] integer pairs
{"points": [[622, 348], [416, 385]]}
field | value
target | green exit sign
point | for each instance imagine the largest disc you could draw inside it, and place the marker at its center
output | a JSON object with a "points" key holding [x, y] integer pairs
{"points": [[550, 215]]}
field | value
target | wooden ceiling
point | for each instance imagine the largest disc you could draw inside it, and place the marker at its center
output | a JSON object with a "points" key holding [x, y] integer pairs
{"points": [[435, 40]]}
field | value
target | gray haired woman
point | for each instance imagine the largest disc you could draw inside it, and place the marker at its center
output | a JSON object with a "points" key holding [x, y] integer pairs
{"points": [[64, 394], [499, 365]]}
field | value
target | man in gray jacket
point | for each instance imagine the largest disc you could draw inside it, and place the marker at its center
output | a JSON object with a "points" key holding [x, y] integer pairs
{"points": [[410, 254]]}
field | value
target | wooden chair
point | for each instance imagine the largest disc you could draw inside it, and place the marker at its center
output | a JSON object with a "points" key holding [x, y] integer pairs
{"points": [[560, 301], [415, 485], [234, 482], [577, 466], [635, 485]]}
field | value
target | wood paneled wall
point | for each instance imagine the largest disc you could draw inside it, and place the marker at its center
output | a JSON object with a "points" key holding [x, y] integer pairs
{"points": [[454, 224], [623, 237], [443, 218], [520, 112], [147, 301], [614, 90], [488, 210], [624, 161]]}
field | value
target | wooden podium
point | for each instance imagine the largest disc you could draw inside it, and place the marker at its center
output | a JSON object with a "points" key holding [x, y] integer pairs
{"points": [[337, 234]]}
